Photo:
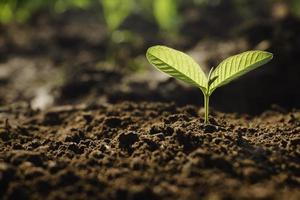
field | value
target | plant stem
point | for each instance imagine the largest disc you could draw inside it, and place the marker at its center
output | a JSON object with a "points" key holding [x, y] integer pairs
{"points": [[206, 107], [206, 95]]}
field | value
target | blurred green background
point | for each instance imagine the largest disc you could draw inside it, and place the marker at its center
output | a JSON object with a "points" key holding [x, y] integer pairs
{"points": [[166, 13], [140, 23], [72, 51]]}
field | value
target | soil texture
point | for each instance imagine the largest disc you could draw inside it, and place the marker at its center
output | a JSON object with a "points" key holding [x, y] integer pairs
{"points": [[147, 151]]}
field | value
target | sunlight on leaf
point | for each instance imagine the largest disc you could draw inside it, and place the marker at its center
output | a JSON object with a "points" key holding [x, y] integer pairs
{"points": [[181, 66], [238, 65], [177, 64]]}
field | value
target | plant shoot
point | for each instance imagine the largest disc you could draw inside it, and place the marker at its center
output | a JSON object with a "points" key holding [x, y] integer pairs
{"points": [[181, 66]]}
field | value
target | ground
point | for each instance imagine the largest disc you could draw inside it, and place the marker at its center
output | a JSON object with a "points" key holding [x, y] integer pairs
{"points": [[148, 151]]}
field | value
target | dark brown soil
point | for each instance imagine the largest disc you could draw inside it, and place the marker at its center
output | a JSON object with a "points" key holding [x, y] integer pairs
{"points": [[147, 151]]}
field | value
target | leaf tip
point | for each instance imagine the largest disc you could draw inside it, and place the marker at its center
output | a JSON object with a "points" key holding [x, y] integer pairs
{"points": [[151, 49], [271, 55], [268, 54], [149, 52]]}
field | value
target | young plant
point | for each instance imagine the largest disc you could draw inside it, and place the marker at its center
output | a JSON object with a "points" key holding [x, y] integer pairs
{"points": [[181, 66]]}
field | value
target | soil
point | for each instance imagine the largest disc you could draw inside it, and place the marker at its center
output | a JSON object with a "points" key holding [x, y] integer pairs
{"points": [[147, 151]]}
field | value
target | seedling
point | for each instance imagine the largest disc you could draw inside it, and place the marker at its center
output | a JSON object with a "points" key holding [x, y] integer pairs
{"points": [[181, 66]]}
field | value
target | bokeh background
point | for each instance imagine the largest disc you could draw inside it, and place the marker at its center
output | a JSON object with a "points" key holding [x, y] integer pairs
{"points": [[55, 52]]}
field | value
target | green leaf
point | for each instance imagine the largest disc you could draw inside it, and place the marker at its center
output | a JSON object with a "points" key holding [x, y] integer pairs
{"points": [[178, 65], [238, 65], [116, 11], [165, 13]]}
